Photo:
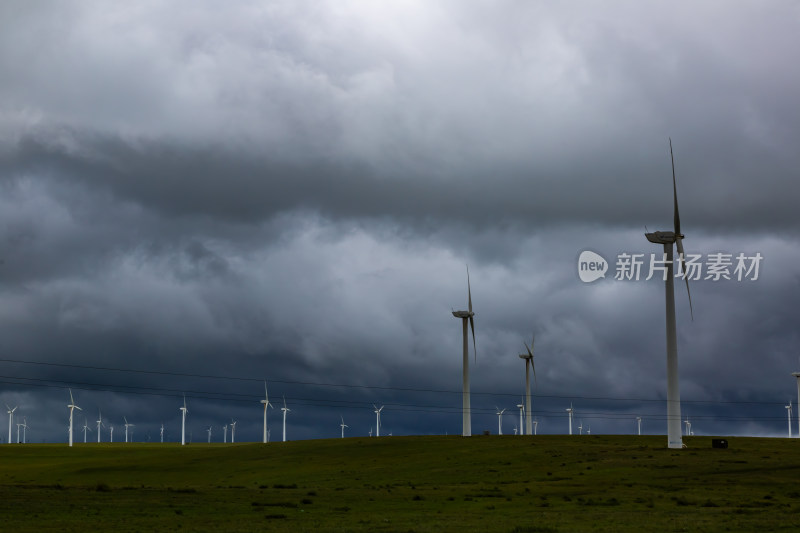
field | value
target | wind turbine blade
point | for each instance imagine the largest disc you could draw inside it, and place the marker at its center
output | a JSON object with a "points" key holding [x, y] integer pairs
{"points": [[474, 348], [71, 400], [675, 191], [682, 257], [469, 292]]}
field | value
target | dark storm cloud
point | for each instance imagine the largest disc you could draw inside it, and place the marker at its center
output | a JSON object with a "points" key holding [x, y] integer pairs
{"points": [[290, 191]]}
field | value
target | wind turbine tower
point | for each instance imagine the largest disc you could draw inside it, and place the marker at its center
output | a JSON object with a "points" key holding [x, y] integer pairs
{"points": [[377, 420], [466, 316], [667, 239], [72, 406], [521, 408], [209, 434], [233, 430], [162, 433], [225, 433], [528, 359], [285, 410], [10, 420], [85, 429], [183, 411], [639, 423], [499, 420], [789, 414], [266, 403], [127, 425], [343, 425], [24, 430], [535, 424]]}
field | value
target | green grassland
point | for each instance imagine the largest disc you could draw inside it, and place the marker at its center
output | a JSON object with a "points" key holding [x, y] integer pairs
{"points": [[496, 483]]}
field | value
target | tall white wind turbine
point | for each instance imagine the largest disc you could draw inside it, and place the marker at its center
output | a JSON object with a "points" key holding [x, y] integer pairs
{"points": [[233, 430], [285, 410], [72, 406], [377, 420], [183, 411], [10, 420], [19, 425], [639, 423], [521, 408], [209, 434], [111, 434], [580, 427], [569, 412], [266, 403], [343, 425], [797, 375], [225, 433], [535, 423], [24, 430], [789, 414], [667, 239], [528, 360], [162, 433], [499, 420], [466, 316]]}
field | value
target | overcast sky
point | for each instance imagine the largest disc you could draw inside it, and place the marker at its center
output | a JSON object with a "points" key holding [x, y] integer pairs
{"points": [[291, 190]]}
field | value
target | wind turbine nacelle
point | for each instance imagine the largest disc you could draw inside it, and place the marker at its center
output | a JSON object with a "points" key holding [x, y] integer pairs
{"points": [[462, 314], [525, 356], [662, 237]]}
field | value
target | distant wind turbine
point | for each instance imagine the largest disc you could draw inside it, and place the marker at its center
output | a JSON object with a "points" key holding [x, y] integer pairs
{"points": [[667, 239], [225, 433], [209, 434], [688, 426], [580, 427], [183, 411], [233, 430], [528, 359], [285, 410], [639, 423], [24, 430], [466, 316], [72, 406], [111, 434], [515, 429], [789, 413], [797, 375], [343, 425], [99, 424], [127, 425], [85, 429], [377, 420], [535, 423], [10, 420], [266, 403], [499, 420], [19, 425], [569, 412], [521, 408], [162, 433]]}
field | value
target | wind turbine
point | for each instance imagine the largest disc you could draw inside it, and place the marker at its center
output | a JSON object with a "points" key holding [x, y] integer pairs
{"points": [[569, 412], [528, 359], [183, 411], [377, 420], [162, 433], [580, 427], [535, 423], [233, 430], [797, 375], [19, 425], [72, 407], [639, 423], [266, 403], [225, 433], [99, 424], [127, 425], [10, 419], [285, 410], [515, 429], [788, 412], [370, 431], [343, 425], [209, 434], [667, 239], [499, 420], [521, 408], [688, 426], [85, 429], [466, 316], [24, 430]]}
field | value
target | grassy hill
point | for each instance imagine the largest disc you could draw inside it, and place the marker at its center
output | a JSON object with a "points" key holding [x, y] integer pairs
{"points": [[508, 483]]}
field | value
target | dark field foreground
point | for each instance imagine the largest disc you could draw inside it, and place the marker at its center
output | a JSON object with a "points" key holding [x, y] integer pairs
{"points": [[508, 483]]}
